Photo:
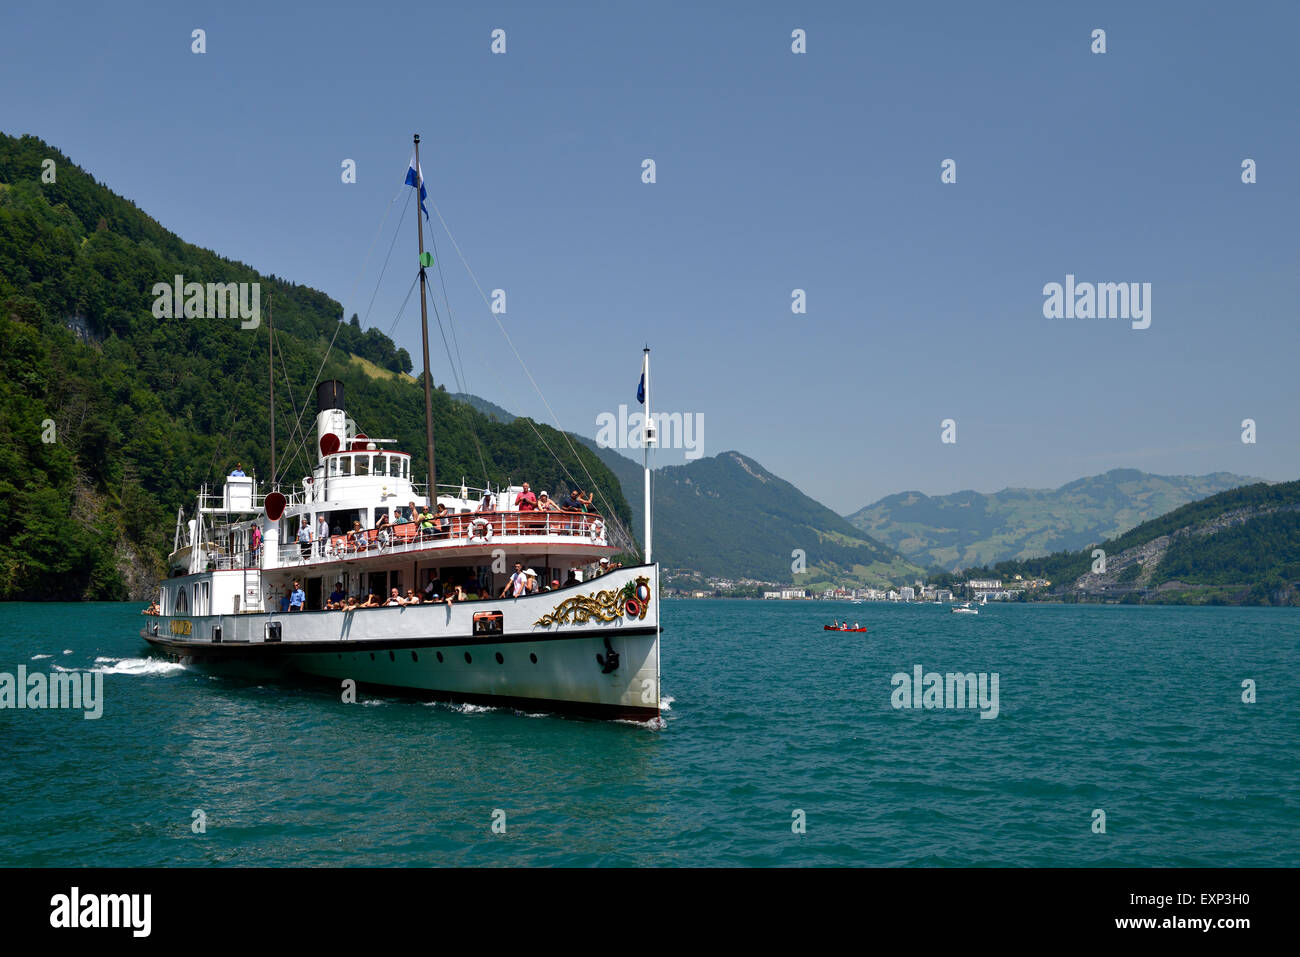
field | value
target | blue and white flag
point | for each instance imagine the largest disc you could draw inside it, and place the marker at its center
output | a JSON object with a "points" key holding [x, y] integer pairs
{"points": [[412, 177], [640, 389]]}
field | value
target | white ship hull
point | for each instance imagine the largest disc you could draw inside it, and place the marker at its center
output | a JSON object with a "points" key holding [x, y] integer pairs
{"points": [[546, 652]]}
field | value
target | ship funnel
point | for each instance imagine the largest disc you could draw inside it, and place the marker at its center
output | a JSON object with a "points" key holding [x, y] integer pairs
{"points": [[331, 420], [329, 395]]}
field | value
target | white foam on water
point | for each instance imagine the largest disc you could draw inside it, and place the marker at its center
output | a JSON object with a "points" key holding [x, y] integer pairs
{"points": [[39, 657], [463, 708], [372, 702], [666, 702], [67, 651], [130, 666]]}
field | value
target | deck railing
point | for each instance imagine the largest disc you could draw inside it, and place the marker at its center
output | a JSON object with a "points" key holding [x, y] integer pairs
{"points": [[468, 528]]}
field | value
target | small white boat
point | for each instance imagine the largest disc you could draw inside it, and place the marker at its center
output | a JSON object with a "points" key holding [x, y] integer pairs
{"points": [[965, 609]]}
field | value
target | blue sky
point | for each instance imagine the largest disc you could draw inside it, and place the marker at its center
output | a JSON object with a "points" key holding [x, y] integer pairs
{"points": [[775, 171]]}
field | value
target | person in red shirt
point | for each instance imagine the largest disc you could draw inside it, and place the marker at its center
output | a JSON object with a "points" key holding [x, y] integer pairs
{"points": [[526, 501]]}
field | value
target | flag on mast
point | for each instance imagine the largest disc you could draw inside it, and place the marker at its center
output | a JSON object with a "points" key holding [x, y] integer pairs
{"points": [[413, 177], [640, 389]]}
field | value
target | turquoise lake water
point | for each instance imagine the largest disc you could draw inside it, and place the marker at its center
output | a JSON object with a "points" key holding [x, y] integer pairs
{"points": [[1134, 711]]}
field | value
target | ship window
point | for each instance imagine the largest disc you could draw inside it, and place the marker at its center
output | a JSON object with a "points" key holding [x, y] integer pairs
{"points": [[334, 466], [500, 659], [345, 465], [182, 605], [533, 658], [363, 465], [439, 656], [468, 659], [414, 656], [381, 465]]}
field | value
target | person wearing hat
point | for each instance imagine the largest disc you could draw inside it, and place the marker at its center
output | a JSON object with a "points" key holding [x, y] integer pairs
{"points": [[531, 586], [555, 583], [238, 471], [603, 567]]}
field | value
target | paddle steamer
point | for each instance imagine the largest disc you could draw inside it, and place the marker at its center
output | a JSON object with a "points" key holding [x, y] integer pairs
{"points": [[590, 647]]}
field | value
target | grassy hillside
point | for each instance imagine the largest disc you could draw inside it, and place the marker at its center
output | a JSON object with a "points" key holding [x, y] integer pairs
{"points": [[974, 528], [1237, 547], [111, 418]]}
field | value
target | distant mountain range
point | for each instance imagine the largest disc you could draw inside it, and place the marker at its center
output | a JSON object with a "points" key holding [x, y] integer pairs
{"points": [[728, 517], [969, 528], [1236, 547]]}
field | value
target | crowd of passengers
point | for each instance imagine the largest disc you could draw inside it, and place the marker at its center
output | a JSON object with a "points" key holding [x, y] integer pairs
{"points": [[429, 523], [521, 583]]}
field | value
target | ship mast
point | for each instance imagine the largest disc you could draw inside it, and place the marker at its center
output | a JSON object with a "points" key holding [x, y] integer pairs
{"points": [[270, 379], [424, 335], [648, 439]]}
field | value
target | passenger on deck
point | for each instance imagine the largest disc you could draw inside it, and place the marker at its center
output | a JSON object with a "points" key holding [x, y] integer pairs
{"points": [[351, 603], [485, 504], [546, 504], [426, 523], [472, 589], [431, 588], [357, 538], [337, 596], [238, 471], [572, 503], [412, 513], [152, 609], [255, 543], [573, 578], [530, 587], [383, 529], [442, 522], [372, 600], [304, 538], [322, 535], [395, 598], [526, 501], [456, 593], [297, 598], [412, 598], [517, 584], [584, 499], [602, 567]]}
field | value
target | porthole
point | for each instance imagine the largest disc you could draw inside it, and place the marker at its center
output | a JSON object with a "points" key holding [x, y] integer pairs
{"points": [[372, 656], [500, 660], [533, 658], [468, 659], [440, 657], [414, 656], [392, 656]]}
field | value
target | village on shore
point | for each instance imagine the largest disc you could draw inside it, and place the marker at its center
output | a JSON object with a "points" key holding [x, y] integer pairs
{"points": [[974, 589]]}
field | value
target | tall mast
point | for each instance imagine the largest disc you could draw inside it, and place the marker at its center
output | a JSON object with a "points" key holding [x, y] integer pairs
{"points": [[424, 333], [270, 379], [648, 437]]}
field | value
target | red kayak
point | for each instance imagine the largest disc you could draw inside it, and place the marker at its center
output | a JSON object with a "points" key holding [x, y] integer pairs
{"points": [[833, 628]]}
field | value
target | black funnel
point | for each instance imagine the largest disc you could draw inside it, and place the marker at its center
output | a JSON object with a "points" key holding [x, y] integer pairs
{"points": [[329, 395]]}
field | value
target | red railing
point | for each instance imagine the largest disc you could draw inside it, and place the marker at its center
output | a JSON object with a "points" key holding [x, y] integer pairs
{"points": [[472, 528]]}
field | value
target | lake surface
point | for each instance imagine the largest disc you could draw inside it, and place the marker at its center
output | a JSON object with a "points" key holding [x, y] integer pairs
{"points": [[1136, 711]]}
